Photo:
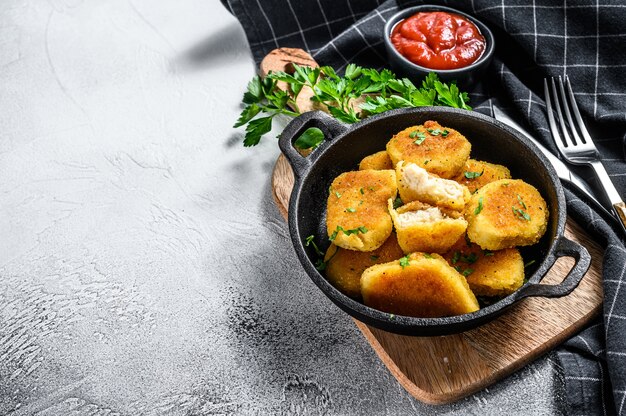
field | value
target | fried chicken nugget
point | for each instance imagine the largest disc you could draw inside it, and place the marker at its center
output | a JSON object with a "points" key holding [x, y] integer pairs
{"points": [[423, 227], [476, 174], [416, 184], [357, 216], [424, 285], [506, 213], [440, 150], [377, 161], [345, 267], [488, 273]]}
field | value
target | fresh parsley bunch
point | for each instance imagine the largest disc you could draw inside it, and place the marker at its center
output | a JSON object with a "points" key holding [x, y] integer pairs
{"points": [[379, 91]]}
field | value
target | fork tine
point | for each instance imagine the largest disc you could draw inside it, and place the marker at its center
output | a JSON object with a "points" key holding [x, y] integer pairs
{"points": [[575, 137], [579, 119], [558, 141], [567, 140]]}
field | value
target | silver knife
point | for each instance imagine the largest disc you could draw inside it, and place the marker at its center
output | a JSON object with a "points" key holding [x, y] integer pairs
{"points": [[563, 172]]}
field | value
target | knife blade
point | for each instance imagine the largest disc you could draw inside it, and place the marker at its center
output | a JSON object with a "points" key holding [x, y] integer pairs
{"points": [[562, 171]]}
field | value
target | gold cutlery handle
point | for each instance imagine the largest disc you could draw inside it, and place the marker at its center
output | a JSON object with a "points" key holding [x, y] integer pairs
{"points": [[620, 210]]}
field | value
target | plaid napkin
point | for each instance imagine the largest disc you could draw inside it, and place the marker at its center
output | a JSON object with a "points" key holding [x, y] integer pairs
{"points": [[535, 38]]}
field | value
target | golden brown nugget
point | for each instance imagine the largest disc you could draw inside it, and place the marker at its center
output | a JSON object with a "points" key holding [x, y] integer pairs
{"points": [[488, 273], [377, 161], [506, 213], [440, 150], [476, 174], [357, 216], [345, 267], [416, 184], [421, 285], [423, 227]]}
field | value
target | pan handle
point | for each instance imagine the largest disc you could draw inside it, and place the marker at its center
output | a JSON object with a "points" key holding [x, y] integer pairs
{"points": [[330, 126], [564, 248]]}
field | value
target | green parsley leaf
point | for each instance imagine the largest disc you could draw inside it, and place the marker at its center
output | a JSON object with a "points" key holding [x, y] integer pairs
{"points": [[350, 209], [247, 114], [397, 203], [311, 138], [404, 261], [255, 129], [382, 91]]}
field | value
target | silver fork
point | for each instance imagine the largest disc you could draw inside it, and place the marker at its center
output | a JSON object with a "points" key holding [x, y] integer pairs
{"points": [[575, 148]]}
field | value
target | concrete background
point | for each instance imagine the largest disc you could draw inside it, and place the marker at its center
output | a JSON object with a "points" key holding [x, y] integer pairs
{"points": [[143, 267]]}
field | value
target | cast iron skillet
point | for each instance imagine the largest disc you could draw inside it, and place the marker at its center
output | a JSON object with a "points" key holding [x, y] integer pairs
{"points": [[491, 141]]}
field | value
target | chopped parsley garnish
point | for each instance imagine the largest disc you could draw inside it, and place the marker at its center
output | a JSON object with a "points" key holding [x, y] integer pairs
{"points": [[470, 258], [404, 261], [455, 257], [428, 256], [350, 209], [339, 228], [530, 263], [397, 203], [438, 132], [464, 272], [320, 264], [520, 213], [479, 207], [420, 137], [426, 162], [466, 258], [361, 191], [337, 194], [473, 175], [309, 241]]}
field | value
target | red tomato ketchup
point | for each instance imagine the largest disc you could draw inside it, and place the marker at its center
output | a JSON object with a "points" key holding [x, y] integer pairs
{"points": [[438, 40]]}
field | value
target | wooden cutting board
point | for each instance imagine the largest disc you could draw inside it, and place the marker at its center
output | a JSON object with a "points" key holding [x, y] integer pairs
{"points": [[444, 369]]}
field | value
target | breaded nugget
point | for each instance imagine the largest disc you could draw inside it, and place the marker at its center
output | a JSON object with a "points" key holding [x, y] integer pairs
{"points": [[423, 227], [488, 273], [440, 150], [357, 216], [377, 161], [345, 267], [506, 213], [422, 285], [476, 174], [416, 184]]}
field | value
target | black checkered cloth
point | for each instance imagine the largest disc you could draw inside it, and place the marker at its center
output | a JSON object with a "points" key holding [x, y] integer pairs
{"points": [[535, 39]]}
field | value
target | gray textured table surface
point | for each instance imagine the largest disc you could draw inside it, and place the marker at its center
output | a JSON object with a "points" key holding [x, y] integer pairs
{"points": [[143, 266]]}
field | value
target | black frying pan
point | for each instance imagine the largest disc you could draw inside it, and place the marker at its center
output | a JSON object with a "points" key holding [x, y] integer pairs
{"points": [[491, 141]]}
